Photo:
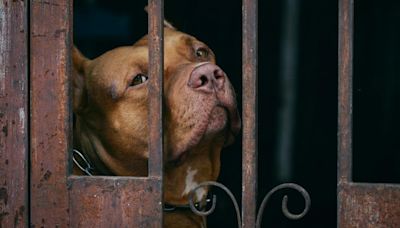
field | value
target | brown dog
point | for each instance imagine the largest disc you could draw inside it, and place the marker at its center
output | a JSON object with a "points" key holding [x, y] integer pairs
{"points": [[110, 106]]}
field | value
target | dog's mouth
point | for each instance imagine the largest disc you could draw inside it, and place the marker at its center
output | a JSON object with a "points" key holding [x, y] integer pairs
{"points": [[222, 121]]}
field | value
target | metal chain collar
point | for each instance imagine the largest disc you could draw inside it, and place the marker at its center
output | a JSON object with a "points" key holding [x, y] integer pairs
{"points": [[199, 206], [86, 167]]}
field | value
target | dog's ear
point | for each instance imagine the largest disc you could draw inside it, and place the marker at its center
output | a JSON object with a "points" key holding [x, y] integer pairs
{"points": [[167, 24], [79, 93]]}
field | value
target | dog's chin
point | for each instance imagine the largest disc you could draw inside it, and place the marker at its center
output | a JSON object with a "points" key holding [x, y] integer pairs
{"points": [[215, 126], [218, 121]]}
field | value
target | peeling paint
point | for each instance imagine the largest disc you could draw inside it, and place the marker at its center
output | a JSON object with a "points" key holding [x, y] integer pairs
{"points": [[5, 130], [13, 127], [3, 195], [21, 113], [4, 44]]}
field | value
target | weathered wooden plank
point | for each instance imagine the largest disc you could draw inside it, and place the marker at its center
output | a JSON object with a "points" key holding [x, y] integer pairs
{"points": [[369, 205], [13, 114], [114, 202], [50, 23]]}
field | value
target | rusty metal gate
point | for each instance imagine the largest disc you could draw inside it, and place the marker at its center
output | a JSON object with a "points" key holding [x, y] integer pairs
{"points": [[359, 204], [36, 188]]}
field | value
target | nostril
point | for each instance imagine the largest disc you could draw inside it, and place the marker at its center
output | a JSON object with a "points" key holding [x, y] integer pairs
{"points": [[203, 80], [218, 74], [219, 78]]}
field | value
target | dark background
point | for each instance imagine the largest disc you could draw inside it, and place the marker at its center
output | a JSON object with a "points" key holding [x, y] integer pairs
{"points": [[100, 25]]}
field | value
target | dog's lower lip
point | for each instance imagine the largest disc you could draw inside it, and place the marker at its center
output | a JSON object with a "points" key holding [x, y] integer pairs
{"points": [[218, 119], [179, 155]]}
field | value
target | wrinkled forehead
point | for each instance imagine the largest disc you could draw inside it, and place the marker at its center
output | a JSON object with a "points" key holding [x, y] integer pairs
{"points": [[172, 39], [177, 45], [118, 62]]}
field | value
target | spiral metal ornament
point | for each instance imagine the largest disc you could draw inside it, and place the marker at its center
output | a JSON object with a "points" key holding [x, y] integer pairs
{"points": [[214, 200], [285, 209]]}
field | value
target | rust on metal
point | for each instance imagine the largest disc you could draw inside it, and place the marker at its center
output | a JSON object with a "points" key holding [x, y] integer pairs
{"points": [[113, 202], [369, 205], [50, 38], [249, 102], [14, 114], [345, 101], [359, 204], [156, 67], [83, 201]]}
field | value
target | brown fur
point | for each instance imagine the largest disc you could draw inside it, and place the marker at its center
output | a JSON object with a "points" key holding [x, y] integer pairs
{"points": [[111, 117]]}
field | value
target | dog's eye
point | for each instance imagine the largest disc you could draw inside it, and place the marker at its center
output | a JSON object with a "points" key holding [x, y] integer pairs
{"points": [[139, 79], [202, 53]]}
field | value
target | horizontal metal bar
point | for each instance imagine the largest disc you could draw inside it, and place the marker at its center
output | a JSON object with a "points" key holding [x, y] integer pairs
{"points": [[130, 199], [369, 205]]}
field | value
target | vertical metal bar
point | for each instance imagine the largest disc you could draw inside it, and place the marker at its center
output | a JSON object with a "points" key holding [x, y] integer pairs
{"points": [[249, 157], [156, 66], [50, 45], [14, 114], [345, 93], [155, 87], [345, 115]]}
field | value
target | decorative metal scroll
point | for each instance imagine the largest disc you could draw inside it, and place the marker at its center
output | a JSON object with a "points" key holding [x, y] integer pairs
{"points": [[285, 209], [214, 200], [264, 202]]}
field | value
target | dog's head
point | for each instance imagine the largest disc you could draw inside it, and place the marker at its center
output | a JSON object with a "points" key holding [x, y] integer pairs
{"points": [[111, 109]]}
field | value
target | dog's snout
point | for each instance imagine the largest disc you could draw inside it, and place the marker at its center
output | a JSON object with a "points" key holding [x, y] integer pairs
{"points": [[207, 78]]}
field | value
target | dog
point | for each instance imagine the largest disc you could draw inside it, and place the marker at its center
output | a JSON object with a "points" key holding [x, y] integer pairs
{"points": [[110, 105]]}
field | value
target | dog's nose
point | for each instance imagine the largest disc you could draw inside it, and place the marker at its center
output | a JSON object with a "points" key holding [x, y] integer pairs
{"points": [[207, 78]]}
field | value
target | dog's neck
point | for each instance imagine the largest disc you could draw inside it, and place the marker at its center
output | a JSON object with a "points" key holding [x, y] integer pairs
{"points": [[203, 160], [88, 142], [85, 142], [202, 164]]}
